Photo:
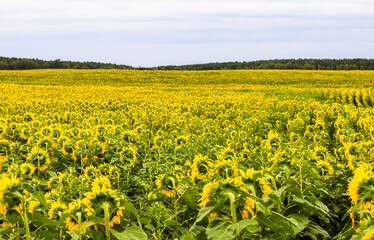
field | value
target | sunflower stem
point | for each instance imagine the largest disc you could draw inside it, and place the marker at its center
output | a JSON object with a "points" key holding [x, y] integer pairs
{"points": [[26, 221], [232, 207], [79, 225], [105, 207]]}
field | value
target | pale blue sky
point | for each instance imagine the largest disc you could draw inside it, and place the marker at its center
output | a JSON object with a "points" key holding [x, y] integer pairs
{"points": [[162, 32]]}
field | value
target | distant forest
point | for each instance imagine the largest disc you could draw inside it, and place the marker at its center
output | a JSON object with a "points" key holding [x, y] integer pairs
{"points": [[28, 63], [307, 64]]}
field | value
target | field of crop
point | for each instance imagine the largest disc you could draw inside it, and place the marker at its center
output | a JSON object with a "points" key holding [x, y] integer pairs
{"points": [[218, 155]]}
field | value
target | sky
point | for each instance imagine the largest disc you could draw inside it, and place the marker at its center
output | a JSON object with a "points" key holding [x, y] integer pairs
{"points": [[174, 32]]}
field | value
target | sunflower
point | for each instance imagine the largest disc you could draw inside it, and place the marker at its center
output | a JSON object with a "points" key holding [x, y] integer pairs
{"points": [[167, 185], [273, 140], [78, 209], [248, 208], [52, 196], [101, 193], [39, 157], [56, 210], [128, 154], [200, 167], [47, 144], [227, 168], [90, 172], [5, 147], [27, 169], [9, 184], [207, 189], [325, 166], [369, 235], [361, 176], [68, 147], [211, 215]]}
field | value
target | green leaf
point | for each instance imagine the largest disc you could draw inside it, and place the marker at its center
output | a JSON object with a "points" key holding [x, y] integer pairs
{"points": [[13, 217], [41, 198], [95, 220], [130, 207], [277, 223], [131, 233], [45, 235], [243, 224], [187, 237], [41, 220], [203, 212], [299, 222], [314, 229], [218, 230], [171, 223], [73, 234]]}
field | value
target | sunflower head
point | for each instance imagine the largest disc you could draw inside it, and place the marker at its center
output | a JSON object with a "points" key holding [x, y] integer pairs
{"points": [[56, 210], [39, 157], [360, 187], [9, 186], [78, 209]]}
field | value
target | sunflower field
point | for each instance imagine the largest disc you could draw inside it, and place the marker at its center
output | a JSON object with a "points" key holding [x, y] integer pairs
{"points": [[229, 154]]}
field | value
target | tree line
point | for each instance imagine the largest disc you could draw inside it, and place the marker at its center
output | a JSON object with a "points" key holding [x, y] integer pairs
{"points": [[7, 63], [307, 64]]}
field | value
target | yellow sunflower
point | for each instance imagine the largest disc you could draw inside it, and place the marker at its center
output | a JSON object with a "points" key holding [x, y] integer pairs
{"points": [[78, 209]]}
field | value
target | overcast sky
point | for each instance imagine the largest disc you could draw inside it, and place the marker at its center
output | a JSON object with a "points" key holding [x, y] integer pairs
{"points": [[162, 32]]}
